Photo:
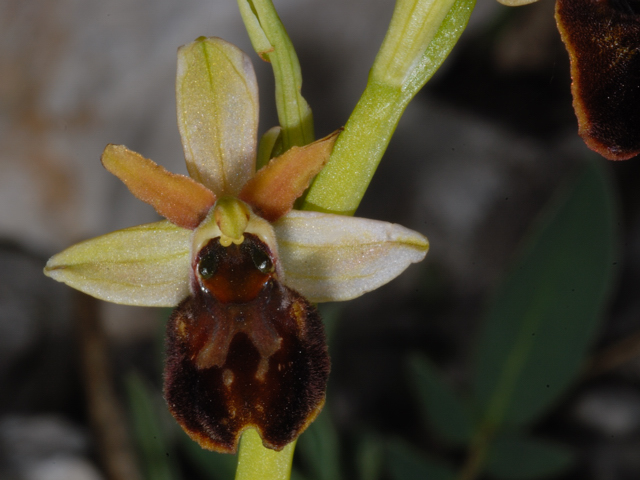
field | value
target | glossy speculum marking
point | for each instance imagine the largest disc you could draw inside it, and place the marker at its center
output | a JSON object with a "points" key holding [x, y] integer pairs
{"points": [[244, 351]]}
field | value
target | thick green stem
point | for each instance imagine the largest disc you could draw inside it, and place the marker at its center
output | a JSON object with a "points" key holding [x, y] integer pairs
{"points": [[257, 462], [421, 35], [341, 184]]}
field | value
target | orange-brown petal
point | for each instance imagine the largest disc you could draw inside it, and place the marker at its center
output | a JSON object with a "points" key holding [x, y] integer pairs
{"points": [[262, 363], [603, 41], [278, 184], [180, 199]]}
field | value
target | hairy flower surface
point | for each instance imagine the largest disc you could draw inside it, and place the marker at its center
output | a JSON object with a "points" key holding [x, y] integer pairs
{"points": [[245, 345], [602, 38]]}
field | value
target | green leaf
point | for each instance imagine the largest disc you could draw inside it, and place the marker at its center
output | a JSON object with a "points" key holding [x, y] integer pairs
{"points": [[441, 407], [212, 465], [519, 458], [320, 450], [369, 457], [152, 439], [544, 317], [406, 463]]}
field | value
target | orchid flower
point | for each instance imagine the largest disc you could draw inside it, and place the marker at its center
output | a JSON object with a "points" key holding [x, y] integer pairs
{"points": [[245, 345], [602, 38]]}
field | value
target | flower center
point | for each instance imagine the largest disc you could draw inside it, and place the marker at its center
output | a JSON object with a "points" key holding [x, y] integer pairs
{"points": [[234, 273]]}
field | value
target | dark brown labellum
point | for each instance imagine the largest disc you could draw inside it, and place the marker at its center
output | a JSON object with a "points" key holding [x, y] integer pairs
{"points": [[244, 351], [603, 41]]}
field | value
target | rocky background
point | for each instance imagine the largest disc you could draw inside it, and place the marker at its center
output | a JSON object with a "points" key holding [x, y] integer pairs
{"points": [[475, 158]]}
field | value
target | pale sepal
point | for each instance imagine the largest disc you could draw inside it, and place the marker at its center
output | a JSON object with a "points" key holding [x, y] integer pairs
{"points": [[147, 265], [329, 257], [217, 103], [516, 3]]}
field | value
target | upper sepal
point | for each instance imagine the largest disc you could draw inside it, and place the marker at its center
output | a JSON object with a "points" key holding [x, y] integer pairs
{"points": [[147, 265], [329, 257], [217, 102]]}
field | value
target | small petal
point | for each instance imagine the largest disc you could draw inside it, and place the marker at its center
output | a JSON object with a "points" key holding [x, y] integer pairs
{"points": [[333, 257], [276, 186], [217, 100], [180, 199], [147, 265], [603, 41], [269, 146]]}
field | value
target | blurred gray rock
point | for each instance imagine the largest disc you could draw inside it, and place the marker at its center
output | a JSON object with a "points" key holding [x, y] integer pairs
{"points": [[612, 412], [36, 355], [44, 448]]}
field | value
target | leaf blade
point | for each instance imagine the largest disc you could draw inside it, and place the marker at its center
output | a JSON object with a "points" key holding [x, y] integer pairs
{"points": [[442, 409], [521, 458], [540, 324]]}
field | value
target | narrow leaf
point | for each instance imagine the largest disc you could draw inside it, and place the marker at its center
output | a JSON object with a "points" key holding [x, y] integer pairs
{"points": [[319, 448], [519, 458], [152, 440], [370, 457], [441, 407], [406, 463], [543, 319], [340, 186]]}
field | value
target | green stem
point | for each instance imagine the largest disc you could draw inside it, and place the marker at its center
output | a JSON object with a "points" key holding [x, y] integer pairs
{"points": [[270, 40], [477, 455], [421, 35], [341, 184], [257, 462]]}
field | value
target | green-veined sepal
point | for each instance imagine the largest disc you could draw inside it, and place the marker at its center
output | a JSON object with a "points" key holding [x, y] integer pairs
{"points": [[147, 265], [217, 102], [329, 257]]}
